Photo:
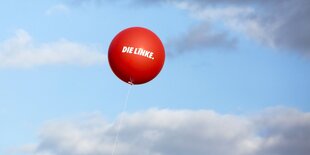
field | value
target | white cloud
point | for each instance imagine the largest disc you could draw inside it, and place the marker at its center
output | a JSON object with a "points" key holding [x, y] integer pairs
{"points": [[21, 51], [57, 9], [180, 132]]}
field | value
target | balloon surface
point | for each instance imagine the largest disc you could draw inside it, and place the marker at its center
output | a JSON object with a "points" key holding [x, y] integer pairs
{"points": [[136, 55]]}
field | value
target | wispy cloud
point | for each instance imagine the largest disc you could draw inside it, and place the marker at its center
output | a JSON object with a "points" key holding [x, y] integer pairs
{"points": [[58, 9], [20, 51], [180, 132], [81, 2], [279, 24], [201, 38]]}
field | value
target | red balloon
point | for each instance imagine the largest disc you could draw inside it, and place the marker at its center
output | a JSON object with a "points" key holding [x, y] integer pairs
{"points": [[136, 55]]}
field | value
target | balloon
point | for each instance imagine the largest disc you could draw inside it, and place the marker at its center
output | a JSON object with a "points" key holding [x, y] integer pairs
{"points": [[136, 55]]}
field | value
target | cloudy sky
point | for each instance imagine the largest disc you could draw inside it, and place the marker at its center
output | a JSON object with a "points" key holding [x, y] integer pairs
{"points": [[235, 81]]}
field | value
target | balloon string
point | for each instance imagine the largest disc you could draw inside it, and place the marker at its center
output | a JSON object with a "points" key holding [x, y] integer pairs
{"points": [[116, 140]]}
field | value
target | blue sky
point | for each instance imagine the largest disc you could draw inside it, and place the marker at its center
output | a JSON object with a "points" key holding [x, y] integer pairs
{"points": [[54, 64]]}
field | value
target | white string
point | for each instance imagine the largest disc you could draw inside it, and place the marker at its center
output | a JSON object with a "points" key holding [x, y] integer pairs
{"points": [[121, 120]]}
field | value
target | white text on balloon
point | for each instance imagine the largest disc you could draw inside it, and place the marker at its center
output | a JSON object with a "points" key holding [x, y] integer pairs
{"points": [[138, 51]]}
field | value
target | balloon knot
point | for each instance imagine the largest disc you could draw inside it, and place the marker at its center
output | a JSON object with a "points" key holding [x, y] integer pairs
{"points": [[129, 82]]}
